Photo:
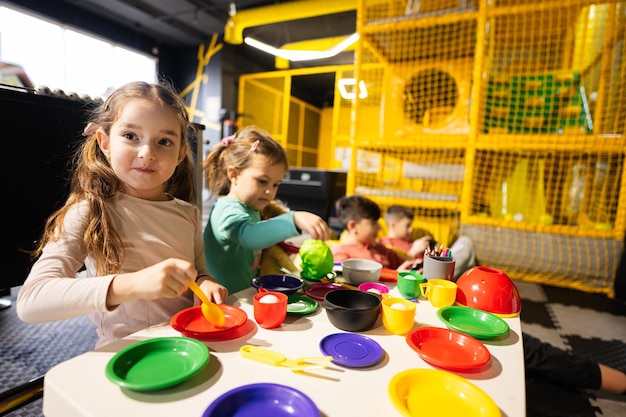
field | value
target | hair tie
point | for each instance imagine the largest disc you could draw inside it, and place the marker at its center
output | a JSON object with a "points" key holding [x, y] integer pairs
{"points": [[90, 129], [228, 139], [255, 145]]}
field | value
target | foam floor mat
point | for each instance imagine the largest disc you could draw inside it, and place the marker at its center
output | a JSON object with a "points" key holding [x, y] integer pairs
{"points": [[29, 350], [586, 324]]}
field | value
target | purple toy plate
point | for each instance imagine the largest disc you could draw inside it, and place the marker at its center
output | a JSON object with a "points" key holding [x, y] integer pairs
{"points": [[351, 350], [318, 291], [262, 399]]}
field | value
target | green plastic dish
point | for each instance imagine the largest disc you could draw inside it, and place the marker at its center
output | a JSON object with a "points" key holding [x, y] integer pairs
{"points": [[300, 304], [157, 363], [473, 322]]}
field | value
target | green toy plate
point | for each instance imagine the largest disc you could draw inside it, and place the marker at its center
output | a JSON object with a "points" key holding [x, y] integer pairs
{"points": [[157, 363], [300, 304], [473, 322]]}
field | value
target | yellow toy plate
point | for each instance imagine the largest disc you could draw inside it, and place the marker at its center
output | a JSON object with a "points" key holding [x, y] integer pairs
{"points": [[433, 393]]}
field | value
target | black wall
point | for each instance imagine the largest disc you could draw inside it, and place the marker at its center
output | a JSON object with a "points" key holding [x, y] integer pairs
{"points": [[39, 136]]}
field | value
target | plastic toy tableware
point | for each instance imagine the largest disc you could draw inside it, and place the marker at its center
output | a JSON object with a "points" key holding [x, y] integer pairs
{"points": [[210, 310], [433, 392], [388, 275], [377, 288], [351, 350], [300, 304], [286, 284], [440, 292], [409, 284], [190, 322], [352, 310], [157, 363], [278, 359], [490, 290], [262, 399], [318, 291], [473, 322], [398, 315], [270, 308], [235, 333], [356, 271], [448, 349]]}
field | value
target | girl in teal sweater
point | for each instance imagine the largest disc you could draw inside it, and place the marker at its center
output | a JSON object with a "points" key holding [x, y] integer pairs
{"points": [[244, 172]]}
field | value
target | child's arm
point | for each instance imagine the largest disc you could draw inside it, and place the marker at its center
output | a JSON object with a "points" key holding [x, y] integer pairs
{"points": [[214, 290], [166, 279], [312, 224], [263, 234], [419, 246], [407, 265]]}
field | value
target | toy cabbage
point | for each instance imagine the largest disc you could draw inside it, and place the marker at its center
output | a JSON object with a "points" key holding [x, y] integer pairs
{"points": [[317, 259]]}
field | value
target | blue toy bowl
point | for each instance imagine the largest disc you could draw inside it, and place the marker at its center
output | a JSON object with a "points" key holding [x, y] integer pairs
{"points": [[285, 284], [263, 399]]}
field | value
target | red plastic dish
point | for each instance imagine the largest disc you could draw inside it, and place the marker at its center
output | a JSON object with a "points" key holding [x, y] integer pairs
{"points": [[231, 334], [191, 323], [448, 349], [388, 275]]}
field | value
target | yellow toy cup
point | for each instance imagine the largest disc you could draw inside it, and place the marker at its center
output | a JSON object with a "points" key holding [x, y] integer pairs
{"points": [[398, 315], [440, 292]]}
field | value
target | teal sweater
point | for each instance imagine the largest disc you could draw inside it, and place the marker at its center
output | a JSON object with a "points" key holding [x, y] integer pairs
{"points": [[234, 238]]}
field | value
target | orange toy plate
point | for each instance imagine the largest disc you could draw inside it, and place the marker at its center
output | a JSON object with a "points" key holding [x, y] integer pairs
{"points": [[388, 275]]}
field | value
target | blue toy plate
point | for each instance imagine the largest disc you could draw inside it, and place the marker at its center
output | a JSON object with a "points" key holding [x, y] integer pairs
{"points": [[263, 399], [351, 349]]}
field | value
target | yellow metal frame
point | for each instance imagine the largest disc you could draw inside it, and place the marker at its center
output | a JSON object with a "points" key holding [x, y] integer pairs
{"points": [[291, 135], [378, 138], [381, 26]]}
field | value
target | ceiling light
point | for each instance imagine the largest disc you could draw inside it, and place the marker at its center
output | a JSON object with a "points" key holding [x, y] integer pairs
{"points": [[344, 83], [303, 55]]}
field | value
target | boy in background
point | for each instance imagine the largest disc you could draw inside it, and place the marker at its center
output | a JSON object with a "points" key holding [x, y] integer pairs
{"points": [[399, 221], [359, 216]]}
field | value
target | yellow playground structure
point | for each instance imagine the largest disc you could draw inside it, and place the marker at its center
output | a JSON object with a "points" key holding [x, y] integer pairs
{"points": [[502, 120]]}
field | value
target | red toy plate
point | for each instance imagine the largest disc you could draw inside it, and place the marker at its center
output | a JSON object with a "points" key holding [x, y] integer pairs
{"points": [[191, 323], [234, 333], [448, 349]]}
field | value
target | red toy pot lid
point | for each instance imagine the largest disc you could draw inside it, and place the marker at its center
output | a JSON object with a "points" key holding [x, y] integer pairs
{"points": [[488, 289]]}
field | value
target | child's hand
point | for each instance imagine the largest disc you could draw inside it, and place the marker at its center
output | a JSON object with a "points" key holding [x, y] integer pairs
{"points": [[168, 278], [312, 224], [215, 291], [406, 266], [419, 247]]}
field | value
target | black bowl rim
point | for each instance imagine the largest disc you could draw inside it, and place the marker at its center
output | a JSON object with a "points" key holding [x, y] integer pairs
{"points": [[365, 295], [352, 320], [256, 284]]}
